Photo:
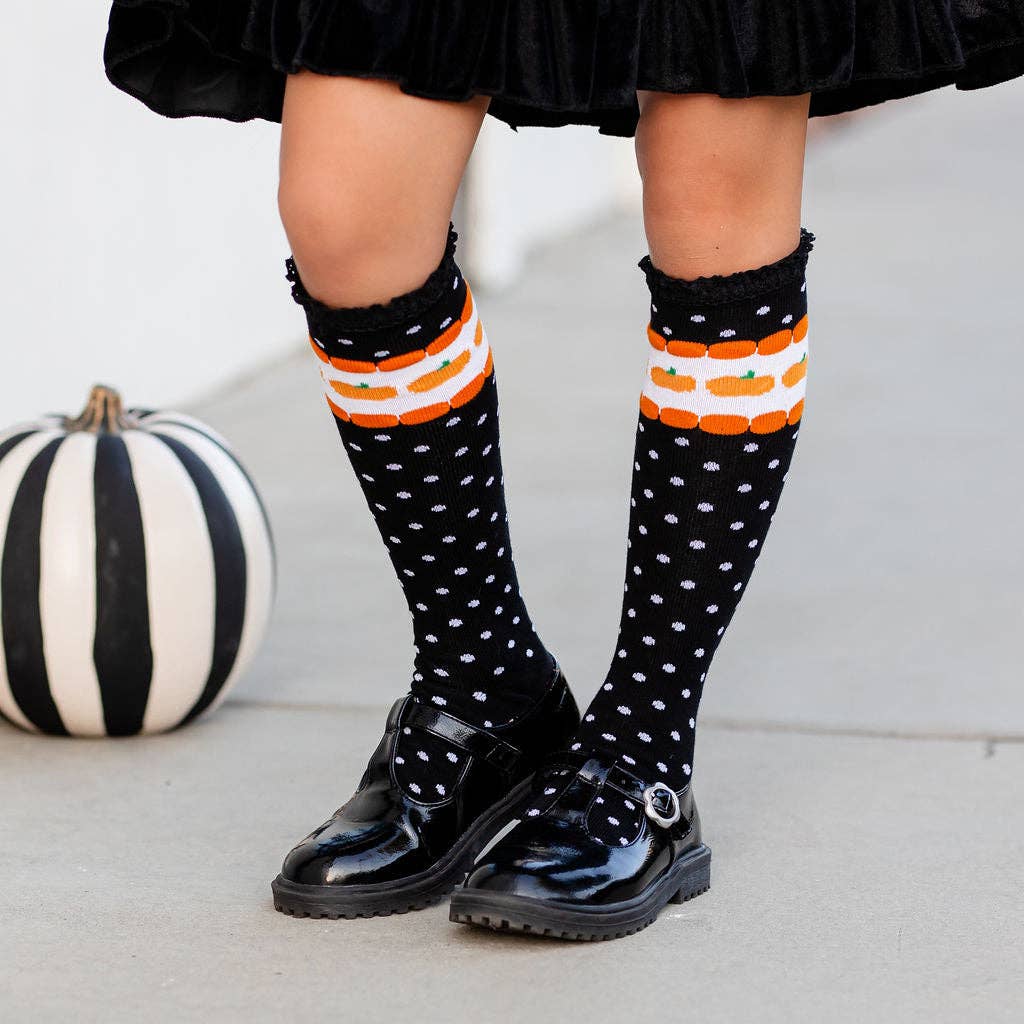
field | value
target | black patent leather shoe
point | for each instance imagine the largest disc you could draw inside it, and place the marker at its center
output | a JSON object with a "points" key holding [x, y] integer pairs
{"points": [[596, 854], [400, 844]]}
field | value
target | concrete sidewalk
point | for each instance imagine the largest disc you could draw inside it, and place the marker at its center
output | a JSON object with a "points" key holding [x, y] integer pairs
{"points": [[862, 749]]}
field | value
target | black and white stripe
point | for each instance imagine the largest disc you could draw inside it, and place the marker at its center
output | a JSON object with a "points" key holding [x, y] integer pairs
{"points": [[136, 578]]}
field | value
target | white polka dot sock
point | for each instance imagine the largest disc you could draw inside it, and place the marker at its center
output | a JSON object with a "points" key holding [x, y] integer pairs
{"points": [[716, 433], [412, 390]]}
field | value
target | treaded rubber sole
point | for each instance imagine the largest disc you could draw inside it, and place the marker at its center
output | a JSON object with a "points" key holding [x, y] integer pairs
{"points": [[296, 906], [417, 892], [688, 878]]}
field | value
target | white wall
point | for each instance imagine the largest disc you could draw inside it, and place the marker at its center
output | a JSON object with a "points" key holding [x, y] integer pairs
{"points": [[146, 253], [135, 250], [526, 187]]}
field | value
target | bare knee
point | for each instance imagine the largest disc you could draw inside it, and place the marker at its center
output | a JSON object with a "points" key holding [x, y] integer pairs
{"points": [[693, 202], [722, 181], [351, 250], [329, 235], [368, 180]]}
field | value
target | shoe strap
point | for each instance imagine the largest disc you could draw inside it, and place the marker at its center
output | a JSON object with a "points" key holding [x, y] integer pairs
{"points": [[659, 800], [477, 741]]}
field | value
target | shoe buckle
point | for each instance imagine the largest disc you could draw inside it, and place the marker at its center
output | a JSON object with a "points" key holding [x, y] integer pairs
{"points": [[662, 805]]}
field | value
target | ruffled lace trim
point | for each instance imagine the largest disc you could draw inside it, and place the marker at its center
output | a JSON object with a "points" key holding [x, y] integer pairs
{"points": [[398, 311], [719, 289]]}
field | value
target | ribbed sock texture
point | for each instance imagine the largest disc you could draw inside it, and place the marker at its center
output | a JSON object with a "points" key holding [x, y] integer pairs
{"points": [[412, 390], [718, 425]]}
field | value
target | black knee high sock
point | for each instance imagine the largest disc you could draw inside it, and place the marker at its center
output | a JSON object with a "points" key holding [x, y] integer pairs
{"points": [[723, 395], [412, 390]]}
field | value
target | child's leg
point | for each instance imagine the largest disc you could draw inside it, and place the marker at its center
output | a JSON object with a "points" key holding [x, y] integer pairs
{"points": [[722, 185], [369, 176], [613, 832], [368, 181], [722, 180]]}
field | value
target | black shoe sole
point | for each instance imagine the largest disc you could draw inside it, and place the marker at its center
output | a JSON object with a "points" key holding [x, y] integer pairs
{"points": [[416, 892], [690, 876]]}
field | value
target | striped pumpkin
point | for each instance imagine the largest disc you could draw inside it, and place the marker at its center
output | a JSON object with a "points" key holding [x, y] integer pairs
{"points": [[136, 571]]}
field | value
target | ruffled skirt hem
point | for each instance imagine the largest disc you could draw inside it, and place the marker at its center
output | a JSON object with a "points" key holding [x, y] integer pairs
{"points": [[559, 62]]}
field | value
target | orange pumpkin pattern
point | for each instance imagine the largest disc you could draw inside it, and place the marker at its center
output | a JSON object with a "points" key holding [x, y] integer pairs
{"points": [[795, 373], [414, 387], [727, 387], [672, 380], [748, 384]]}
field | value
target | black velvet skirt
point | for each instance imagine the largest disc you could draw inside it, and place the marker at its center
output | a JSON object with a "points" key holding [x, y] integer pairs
{"points": [[557, 62]]}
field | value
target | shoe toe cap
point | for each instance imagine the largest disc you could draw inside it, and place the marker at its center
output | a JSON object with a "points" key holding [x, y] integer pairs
{"points": [[353, 853], [503, 880], [543, 864]]}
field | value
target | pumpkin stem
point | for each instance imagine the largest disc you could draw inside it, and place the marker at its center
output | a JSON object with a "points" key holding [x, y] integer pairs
{"points": [[104, 412]]}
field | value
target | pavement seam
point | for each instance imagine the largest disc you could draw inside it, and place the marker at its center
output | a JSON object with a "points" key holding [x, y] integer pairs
{"points": [[990, 740]]}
